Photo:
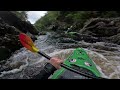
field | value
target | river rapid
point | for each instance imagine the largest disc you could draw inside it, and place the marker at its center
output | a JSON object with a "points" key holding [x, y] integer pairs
{"points": [[24, 64]]}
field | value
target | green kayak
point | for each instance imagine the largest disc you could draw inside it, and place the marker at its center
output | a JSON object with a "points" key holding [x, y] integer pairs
{"points": [[80, 61]]}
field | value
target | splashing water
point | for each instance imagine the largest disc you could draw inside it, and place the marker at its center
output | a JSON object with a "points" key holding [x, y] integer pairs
{"points": [[25, 64]]}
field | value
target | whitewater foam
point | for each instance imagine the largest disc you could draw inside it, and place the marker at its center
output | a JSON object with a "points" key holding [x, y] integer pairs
{"points": [[15, 70]]}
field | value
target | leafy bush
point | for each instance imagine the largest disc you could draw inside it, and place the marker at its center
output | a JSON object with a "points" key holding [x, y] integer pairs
{"points": [[75, 18]]}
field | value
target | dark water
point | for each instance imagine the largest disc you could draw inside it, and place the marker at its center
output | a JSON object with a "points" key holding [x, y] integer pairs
{"points": [[23, 64]]}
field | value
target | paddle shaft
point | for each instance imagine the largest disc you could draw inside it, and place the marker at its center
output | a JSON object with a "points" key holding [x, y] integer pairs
{"points": [[45, 55], [69, 68], [28, 43]]}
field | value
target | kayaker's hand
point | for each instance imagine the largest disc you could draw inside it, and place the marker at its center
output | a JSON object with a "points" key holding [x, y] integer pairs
{"points": [[56, 62]]}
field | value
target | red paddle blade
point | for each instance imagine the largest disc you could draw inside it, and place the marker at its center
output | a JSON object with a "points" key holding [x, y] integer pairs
{"points": [[27, 42]]}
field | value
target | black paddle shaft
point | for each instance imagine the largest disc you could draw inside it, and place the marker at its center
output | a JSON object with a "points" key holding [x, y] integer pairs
{"points": [[65, 66], [45, 55]]}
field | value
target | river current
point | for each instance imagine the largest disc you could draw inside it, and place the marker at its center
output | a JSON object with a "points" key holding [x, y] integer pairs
{"points": [[23, 64]]}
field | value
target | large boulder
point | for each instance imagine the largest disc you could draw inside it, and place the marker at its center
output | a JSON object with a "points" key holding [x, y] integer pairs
{"points": [[101, 27], [10, 28], [12, 19], [107, 28], [9, 41], [4, 53]]}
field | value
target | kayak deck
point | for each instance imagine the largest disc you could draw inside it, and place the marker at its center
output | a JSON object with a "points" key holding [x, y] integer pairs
{"points": [[79, 60]]}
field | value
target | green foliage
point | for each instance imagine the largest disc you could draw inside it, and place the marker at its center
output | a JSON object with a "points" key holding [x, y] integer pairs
{"points": [[46, 20], [75, 18], [79, 17], [21, 14]]}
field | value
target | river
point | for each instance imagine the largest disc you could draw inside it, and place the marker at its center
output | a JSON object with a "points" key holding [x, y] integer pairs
{"points": [[23, 64]]}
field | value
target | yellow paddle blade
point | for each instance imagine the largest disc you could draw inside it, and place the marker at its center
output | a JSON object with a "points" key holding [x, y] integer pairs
{"points": [[27, 42], [35, 49]]}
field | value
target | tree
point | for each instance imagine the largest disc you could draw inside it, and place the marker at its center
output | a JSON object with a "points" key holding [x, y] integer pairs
{"points": [[21, 14], [77, 19], [45, 21]]}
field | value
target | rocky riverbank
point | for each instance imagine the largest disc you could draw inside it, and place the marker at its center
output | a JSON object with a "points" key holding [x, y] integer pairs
{"points": [[10, 27], [94, 30], [100, 37]]}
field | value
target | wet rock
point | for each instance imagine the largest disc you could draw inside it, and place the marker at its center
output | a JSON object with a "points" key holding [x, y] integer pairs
{"points": [[100, 27], [108, 29], [4, 53], [8, 39], [106, 48], [33, 38], [32, 71], [11, 42], [87, 38], [28, 26], [10, 28], [115, 39], [11, 19], [42, 33]]}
